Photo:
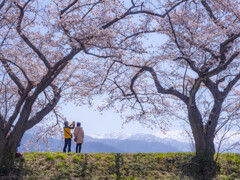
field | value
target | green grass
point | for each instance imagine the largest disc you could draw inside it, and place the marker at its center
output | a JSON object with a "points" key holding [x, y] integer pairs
{"points": [[120, 166], [49, 156], [61, 155]]}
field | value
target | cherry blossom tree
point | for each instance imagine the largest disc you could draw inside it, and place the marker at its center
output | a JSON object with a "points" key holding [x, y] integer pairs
{"points": [[193, 76], [46, 53]]}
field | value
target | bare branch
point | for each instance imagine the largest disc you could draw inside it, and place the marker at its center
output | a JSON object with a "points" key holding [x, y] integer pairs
{"points": [[136, 34], [230, 85], [133, 91], [210, 13], [13, 76], [65, 60], [175, 36], [26, 40], [21, 69], [41, 114], [17, 108], [159, 15], [91, 8], [130, 12], [5, 37], [184, 77], [229, 40], [119, 87], [93, 54], [132, 1], [68, 7], [219, 145], [207, 65], [225, 46], [2, 4], [162, 90], [190, 63], [69, 77], [222, 67], [108, 71]]}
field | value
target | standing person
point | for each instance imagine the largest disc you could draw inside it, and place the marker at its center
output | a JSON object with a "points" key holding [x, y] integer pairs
{"points": [[68, 135], [79, 135]]}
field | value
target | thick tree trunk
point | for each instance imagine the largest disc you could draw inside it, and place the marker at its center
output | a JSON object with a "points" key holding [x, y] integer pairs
{"points": [[204, 148], [7, 156], [8, 147], [205, 157], [204, 145]]}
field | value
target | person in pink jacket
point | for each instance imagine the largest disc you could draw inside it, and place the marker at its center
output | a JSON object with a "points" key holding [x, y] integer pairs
{"points": [[78, 137]]}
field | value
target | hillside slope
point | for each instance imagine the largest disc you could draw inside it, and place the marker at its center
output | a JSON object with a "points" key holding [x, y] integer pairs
{"points": [[119, 166]]}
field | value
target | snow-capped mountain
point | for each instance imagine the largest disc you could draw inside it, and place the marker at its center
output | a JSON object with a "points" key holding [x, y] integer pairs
{"points": [[116, 143], [145, 137], [149, 138], [117, 135], [177, 135]]}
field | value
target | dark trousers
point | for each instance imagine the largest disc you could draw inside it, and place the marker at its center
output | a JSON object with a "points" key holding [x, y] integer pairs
{"points": [[78, 148], [67, 143]]}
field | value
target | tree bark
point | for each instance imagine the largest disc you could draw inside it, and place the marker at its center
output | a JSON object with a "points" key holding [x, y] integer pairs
{"points": [[205, 151], [204, 145], [7, 156]]}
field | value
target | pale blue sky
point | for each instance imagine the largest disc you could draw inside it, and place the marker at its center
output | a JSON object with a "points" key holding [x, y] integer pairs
{"points": [[95, 122], [98, 123]]}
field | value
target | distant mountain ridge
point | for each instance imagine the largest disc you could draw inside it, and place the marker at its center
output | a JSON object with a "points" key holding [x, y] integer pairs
{"points": [[137, 143]]}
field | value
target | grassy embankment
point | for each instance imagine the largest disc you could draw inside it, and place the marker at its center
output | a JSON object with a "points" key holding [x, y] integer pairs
{"points": [[119, 166]]}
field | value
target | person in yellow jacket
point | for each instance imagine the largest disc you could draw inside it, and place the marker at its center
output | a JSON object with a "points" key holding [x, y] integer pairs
{"points": [[68, 135]]}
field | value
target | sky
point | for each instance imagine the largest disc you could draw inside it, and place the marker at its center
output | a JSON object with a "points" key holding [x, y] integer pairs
{"points": [[97, 124]]}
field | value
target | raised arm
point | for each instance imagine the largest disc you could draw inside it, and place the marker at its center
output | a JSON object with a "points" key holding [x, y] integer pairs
{"points": [[72, 126]]}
